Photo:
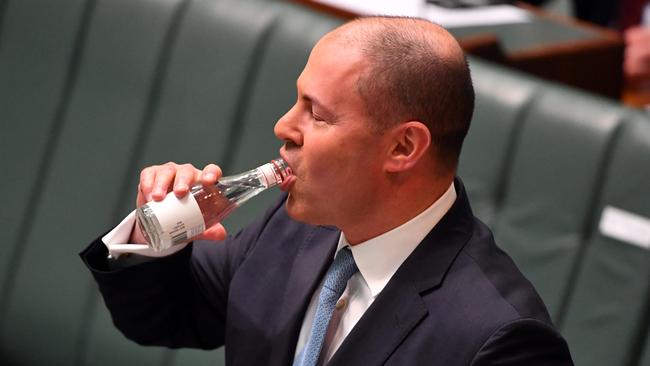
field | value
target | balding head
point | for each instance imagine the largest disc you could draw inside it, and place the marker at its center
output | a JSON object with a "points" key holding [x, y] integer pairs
{"points": [[416, 71]]}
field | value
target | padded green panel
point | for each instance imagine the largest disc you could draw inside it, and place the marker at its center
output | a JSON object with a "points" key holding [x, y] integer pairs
{"points": [[198, 100], [52, 289], [270, 94], [273, 93], [555, 173], [501, 99], [217, 45], [613, 287], [36, 47], [645, 356], [193, 357]]}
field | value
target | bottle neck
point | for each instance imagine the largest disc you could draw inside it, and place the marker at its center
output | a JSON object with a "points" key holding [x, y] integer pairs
{"points": [[275, 172]]}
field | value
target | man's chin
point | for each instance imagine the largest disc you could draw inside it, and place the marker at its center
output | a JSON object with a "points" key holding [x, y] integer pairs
{"points": [[300, 212]]}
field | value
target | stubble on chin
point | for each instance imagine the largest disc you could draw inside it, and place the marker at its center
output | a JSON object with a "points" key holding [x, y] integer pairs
{"points": [[298, 211]]}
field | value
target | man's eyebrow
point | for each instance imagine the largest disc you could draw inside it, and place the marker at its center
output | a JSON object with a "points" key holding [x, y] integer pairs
{"points": [[314, 101]]}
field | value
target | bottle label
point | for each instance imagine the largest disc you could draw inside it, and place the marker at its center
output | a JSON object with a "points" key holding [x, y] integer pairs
{"points": [[180, 219], [270, 175]]}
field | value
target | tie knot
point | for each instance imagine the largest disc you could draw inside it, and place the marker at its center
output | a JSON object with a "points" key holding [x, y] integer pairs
{"points": [[340, 271]]}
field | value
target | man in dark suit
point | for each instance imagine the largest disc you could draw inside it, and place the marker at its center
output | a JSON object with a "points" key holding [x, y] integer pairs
{"points": [[373, 215]]}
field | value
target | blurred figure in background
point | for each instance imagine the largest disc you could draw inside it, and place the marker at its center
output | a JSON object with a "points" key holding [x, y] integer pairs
{"points": [[635, 23], [632, 19]]}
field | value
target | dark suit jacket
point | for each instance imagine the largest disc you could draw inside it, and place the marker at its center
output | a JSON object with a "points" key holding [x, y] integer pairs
{"points": [[456, 300]]}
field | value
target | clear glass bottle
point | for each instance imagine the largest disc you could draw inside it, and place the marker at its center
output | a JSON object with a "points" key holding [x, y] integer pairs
{"points": [[175, 221]]}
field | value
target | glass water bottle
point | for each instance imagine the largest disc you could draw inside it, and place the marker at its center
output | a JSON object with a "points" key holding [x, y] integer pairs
{"points": [[176, 220]]}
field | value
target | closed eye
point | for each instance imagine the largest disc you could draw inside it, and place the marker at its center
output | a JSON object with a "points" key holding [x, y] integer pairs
{"points": [[317, 117]]}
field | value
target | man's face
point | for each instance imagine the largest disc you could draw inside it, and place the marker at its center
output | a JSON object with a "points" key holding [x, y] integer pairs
{"points": [[330, 144]]}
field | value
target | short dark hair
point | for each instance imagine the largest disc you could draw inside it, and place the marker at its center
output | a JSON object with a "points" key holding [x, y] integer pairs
{"points": [[417, 71]]}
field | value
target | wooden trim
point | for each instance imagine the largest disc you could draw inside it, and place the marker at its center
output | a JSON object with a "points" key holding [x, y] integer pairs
{"points": [[593, 64], [486, 46], [571, 22]]}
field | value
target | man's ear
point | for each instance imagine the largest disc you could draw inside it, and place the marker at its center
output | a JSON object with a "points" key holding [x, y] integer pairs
{"points": [[409, 142]]}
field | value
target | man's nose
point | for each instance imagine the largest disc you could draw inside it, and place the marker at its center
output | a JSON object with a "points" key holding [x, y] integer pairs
{"points": [[288, 127]]}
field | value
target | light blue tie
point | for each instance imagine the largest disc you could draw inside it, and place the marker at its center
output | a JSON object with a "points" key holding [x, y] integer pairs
{"points": [[336, 279]]}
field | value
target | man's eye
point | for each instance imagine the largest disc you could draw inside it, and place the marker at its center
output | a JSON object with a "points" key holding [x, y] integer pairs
{"points": [[317, 117]]}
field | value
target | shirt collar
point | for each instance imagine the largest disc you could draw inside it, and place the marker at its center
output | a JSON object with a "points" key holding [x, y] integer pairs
{"points": [[379, 258]]}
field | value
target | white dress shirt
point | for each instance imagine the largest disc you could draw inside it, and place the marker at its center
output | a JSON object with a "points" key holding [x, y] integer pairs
{"points": [[377, 259]]}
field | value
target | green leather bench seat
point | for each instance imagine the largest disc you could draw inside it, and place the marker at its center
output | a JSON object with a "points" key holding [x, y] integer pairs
{"points": [[609, 308], [198, 95], [556, 165], [91, 91], [51, 298], [645, 357], [33, 85], [487, 151]]}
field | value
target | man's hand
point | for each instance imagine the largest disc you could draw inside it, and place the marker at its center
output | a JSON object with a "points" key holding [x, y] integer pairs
{"points": [[636, 65], [158, 180]]}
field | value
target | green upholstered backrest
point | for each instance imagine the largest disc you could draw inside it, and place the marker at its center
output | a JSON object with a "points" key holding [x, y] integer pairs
{"points": [[487, 151], [609, 306], [115, 60], [200, 80], [36, 50], [567, 157], [92, 91], [557, 161], [645, 355], [272, 94]]}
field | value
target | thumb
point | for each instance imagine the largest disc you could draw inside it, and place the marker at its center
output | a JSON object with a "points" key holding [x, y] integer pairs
{"points": [[215, 232]]}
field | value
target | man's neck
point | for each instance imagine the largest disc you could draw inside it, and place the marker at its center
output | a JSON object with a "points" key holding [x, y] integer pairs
{"points": [[399, 205]]}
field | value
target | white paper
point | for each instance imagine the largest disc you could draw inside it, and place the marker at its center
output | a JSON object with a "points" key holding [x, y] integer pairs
{"points": [[625, 226], [446, 17], [487, 15]]}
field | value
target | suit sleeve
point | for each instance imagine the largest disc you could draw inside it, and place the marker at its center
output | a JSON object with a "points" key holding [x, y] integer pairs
{"points": [[524, 342], [179, 300]]}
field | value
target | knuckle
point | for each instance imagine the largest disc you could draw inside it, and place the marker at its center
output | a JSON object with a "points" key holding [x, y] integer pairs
{"points": [[169, 169], [188, 169]]}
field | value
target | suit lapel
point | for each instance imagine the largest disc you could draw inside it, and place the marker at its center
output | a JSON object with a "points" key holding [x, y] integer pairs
{"points": [[400, 306], [312, 260]]}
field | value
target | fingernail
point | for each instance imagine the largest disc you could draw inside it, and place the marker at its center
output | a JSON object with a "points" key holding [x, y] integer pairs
{"points": [[157, 192], [209, 176], [182, 187]]}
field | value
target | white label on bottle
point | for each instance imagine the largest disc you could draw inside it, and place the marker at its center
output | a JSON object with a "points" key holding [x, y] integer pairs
{"points": [[269, 174], [625, 226], [180, 219]]}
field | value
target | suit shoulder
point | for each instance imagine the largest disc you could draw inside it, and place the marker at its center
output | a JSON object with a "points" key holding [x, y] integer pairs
{"points": [[505, 286], [524, 342]]}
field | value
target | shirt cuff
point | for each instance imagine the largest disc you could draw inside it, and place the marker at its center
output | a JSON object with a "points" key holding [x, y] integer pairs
{"points": [[116, 241]]}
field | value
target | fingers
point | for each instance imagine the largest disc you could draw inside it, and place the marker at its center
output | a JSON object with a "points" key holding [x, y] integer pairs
{"points": [[186, 176], [216, 232], [147, 177], [163, 180], [157, 180], [210, 174]]}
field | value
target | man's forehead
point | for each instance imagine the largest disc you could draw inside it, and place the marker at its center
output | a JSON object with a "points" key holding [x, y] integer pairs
{"points": [[331, 62]]}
